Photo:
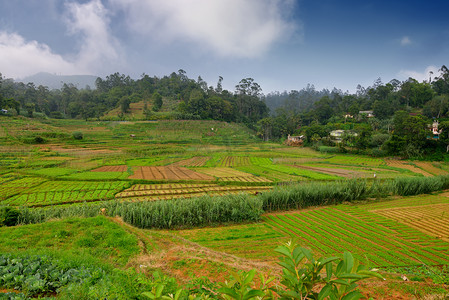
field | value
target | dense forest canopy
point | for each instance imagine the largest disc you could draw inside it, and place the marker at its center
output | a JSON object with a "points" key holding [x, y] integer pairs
{"points": [[194, 99], [397, 123]]}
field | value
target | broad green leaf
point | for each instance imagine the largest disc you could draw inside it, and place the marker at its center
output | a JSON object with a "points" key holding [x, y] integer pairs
{"points": [[328, 272], [371, 274], [328, 260], [308, 254], [249, 277], [349, 261], [149, 295], [293, 294], [288, 267], [352, 276], [340, 281], [284, 251], [325, 291], [253, 294], [229, 292], [354, 295], [159, 289], [339, 269]]}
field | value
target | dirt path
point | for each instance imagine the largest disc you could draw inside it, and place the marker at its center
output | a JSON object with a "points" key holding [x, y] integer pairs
{"points": [[184, 259]]}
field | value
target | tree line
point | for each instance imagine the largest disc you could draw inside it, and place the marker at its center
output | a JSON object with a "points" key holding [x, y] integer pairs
{"points": [[194, 98], [402, 112]]}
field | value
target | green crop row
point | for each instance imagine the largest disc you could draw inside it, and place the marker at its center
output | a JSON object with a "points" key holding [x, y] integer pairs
{"points": [[64, 186], [163, 214], [330, 229], [96, 176], [51, 198], [355, 160], [13, 187], [271, 174], [51, 172], [373, 231], [261, 161]]}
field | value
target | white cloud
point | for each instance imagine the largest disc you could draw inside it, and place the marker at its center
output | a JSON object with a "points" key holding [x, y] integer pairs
{"points": [[242, 28], [98, 50], [430, 71], [98, 46], [19, 58], [405, 41]]}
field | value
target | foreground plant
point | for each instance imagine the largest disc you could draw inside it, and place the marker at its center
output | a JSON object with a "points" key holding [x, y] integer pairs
{"points": [[303, 275]]}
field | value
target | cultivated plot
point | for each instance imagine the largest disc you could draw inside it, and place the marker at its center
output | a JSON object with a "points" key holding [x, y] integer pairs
{"points": [[407, 166], [232, 175], [381, 240], [431, 219], [168, 173], [197, 161], [65, 192], [122, 168], [151, 192]]}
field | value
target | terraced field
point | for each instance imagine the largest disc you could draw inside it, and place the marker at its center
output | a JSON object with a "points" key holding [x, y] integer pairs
{"points": [[111, 169], [384, 237], [232, 175], [168, 173], [430, 219], [47, 193], [407, 166], [151, 192], [197, 161], [430, 168]]}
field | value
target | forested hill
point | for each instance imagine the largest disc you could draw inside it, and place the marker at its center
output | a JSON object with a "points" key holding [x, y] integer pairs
{"points": [[172, 97], [393, 118]]}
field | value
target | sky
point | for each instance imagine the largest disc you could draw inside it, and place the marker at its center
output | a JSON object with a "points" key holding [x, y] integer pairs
{"points": [[282, 44]]}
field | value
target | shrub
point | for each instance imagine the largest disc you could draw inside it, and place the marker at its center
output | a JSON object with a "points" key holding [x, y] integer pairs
{"points": [[327, 149], [39, 140], [9, 216], [78, 135]]}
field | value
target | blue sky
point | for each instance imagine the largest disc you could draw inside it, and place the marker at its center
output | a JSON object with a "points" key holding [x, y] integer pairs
{"points": [[282, 44]]}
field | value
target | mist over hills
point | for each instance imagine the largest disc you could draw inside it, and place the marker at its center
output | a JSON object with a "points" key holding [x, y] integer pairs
{"points": [[53, 81]]}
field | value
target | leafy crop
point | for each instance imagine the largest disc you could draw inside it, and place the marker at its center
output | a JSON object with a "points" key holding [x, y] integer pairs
{"points": [[36, 275]]}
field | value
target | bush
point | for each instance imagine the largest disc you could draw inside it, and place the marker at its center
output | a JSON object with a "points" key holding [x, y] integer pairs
{"points": [[78, 135], [39, 140], [9, 216], [327, 149]]}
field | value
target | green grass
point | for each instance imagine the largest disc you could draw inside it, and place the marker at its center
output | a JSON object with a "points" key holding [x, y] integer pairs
{"points": [[88, 175], [50, 172], [96, 238]]}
